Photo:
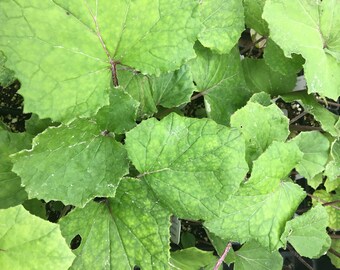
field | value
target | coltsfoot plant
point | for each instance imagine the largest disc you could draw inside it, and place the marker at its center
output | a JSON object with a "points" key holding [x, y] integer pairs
{"points": [[146, 109]]}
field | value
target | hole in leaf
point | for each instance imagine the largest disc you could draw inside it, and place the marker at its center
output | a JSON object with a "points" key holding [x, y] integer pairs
{"points": [[75, 242], [136, 267], [100, 199]]}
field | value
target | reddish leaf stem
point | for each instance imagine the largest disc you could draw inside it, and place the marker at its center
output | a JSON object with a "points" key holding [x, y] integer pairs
{"points": [[329, 203], [334, 252], [329, 103], [303, 128], [197, 96], [220, 261], [297, 117], [324, 203]]}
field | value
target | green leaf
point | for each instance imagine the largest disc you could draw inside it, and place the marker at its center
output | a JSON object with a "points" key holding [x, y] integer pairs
{"points": [[261, 204], [28, 242], [66, 51], [332, 170], [335, 259], [129, 230], [315, 148], [252, 256], [220, 79], [318, 29], [253, 16], [262, 98], [173, 89], [316, 181], [72, 163], [6, 75], [309, 228], [273, 165], [168, 90], [120, 116], [35, 125], [333, 213], [223, 23], [331, 185], [192, 259], [263, 217], [255, 122], [327, 119], [139, 87], [210, 158], [260, 76], [36, 207], [330, 27], [159, 42], [11, 192], [278, 62], [187, 239]]}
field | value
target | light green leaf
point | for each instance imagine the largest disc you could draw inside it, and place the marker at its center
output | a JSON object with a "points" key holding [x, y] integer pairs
{"points": [[193, 259], [220, 79], [120, 116], [263, 217], [318, 29], [173, 89], [252, 256], [315, 148], [56, 57], [129, 230], [309, 228], [159, 42], [6, 75], [139, 87], [11, 193], [223, 21], [28, 242], [210, 158], [335, 259], [274, 164], [327, 119], [333, 213], [278, 62], [168, 90], [260, 76], [255, 122], [335, 151], [332, 170], [63, 52], [316, 181], [253, 16], [72, 163], [337, 125], [331, 185], [330, 27], [262, 98]]}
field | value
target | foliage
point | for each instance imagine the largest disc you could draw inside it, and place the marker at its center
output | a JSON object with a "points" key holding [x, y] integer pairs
{"points": [[116, 143], [28, 242]]}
